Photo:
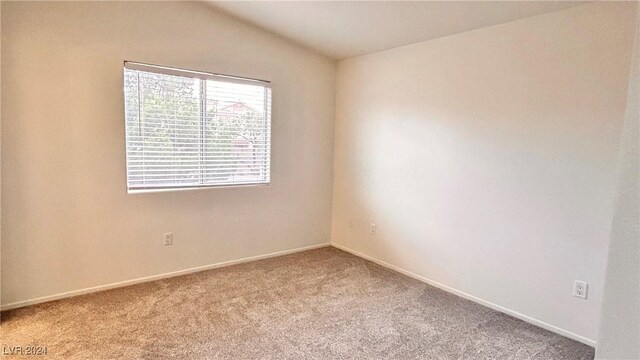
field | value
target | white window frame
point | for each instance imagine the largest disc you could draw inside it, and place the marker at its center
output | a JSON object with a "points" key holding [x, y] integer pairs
{"points": [[166, 70]]}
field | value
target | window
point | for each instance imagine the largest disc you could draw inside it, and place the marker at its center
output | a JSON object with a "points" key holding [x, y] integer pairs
{"points": [[187, 129]]}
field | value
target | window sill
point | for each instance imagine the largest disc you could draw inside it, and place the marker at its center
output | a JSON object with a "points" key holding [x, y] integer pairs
{"points": [[187, 188]]}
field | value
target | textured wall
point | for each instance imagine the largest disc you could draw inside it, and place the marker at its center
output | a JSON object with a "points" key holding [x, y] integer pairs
{"points": [[68, 222], [619, 336], [487, 159]]}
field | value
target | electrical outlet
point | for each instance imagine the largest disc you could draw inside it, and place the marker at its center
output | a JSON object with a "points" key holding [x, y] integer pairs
{"points": [[352, 223], [580, 289], [168, 239], [372, 229]]}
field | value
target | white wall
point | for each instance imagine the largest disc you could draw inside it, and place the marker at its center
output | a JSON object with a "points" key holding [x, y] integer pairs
{"points": [[487, 159], [68, 222], [619, 336]]}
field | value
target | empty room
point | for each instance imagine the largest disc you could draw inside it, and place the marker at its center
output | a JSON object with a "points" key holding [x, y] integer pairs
{"points": [[319, 180]]}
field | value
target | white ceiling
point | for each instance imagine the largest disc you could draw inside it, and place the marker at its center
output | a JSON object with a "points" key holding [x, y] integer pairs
{"points": [[343, 29]]}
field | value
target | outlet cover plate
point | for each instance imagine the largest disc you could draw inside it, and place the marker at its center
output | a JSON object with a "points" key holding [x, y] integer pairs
{"points": [[168, 239], [580, 289]]}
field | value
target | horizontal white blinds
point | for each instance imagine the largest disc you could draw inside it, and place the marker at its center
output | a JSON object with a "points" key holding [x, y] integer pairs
{"points": [[189, 129]]}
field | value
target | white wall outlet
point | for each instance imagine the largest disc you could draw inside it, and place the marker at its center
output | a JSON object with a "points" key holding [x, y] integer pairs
{"points": [[168, 239], [372, 229], [580, 289]]}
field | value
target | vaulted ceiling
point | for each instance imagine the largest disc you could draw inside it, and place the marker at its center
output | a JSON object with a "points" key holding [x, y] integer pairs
{"points": [[343, 29]]}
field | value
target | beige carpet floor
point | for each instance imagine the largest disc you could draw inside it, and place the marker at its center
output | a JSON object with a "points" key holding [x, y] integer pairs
{"points": [[319, 304]]}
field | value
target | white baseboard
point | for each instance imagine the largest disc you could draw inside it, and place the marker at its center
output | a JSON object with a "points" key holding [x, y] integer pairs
{"points": [[73, 293], [462, 294]]}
